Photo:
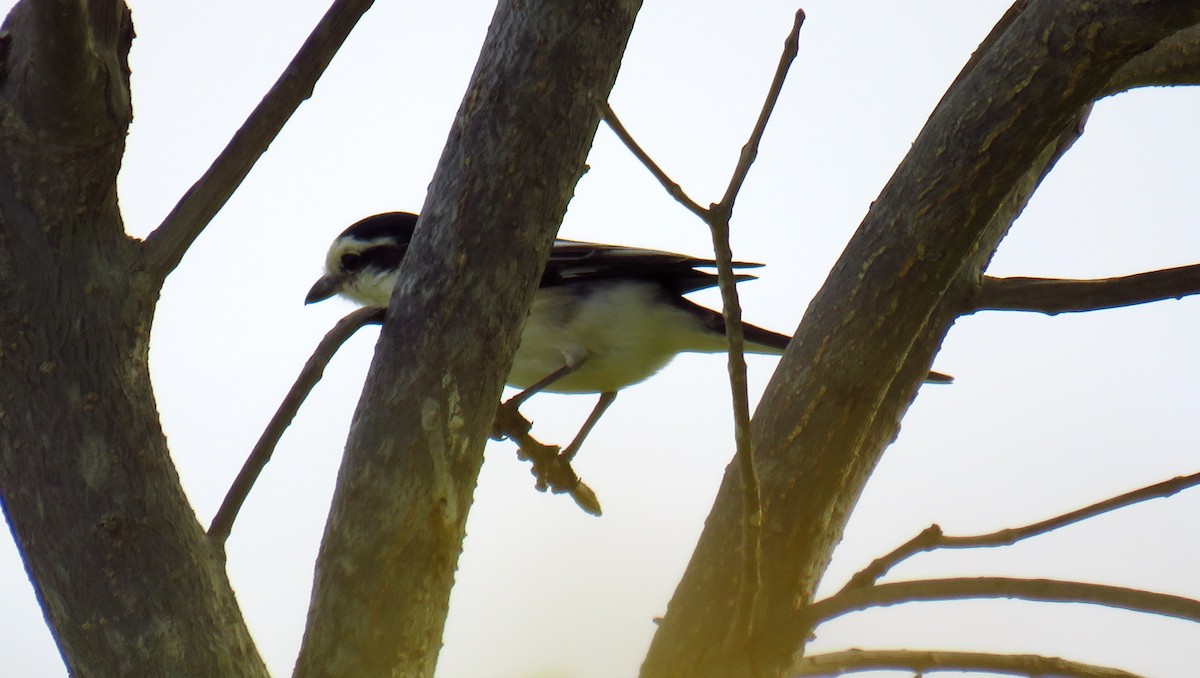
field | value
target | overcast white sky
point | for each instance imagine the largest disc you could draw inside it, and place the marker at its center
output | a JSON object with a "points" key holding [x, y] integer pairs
{"points": [[1047, 414]]}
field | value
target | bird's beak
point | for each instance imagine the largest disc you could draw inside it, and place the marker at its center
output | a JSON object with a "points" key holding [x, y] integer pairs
{"points": [[324, 288]]}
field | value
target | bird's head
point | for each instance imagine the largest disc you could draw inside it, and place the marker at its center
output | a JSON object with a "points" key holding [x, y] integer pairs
{"points": [[364, 261]]}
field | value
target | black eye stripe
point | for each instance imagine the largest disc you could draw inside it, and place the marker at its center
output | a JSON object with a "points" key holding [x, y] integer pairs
{"points": [[382, 257]]}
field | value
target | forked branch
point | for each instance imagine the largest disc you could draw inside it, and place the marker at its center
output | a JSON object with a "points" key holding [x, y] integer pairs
{"points": [[931, 538], [717, 216]]}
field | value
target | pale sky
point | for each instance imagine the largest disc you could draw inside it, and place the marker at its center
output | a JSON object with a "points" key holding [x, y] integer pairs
{"points": [[1047, 414]]}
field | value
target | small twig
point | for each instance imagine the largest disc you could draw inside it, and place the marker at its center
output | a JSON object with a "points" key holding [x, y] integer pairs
{"points": [[925, 661], [165, 247], [791, 47], [551, 469], [1042, 590], [932, 538], [674, 189], [222, 523], [1053, 295], [718, 216]]}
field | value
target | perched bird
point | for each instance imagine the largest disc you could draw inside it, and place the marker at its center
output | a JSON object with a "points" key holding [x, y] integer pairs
{"points": [[604, 317]]}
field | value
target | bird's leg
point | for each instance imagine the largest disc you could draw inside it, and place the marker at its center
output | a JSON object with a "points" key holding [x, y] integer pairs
{"points": [[508, 417], [606, 399]]}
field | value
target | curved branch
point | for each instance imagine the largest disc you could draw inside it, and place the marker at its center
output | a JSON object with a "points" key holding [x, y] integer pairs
{"points": [[1042, 590], [222, 522], [925, 661], [1054, 295], [165, 247], [932, 538]]}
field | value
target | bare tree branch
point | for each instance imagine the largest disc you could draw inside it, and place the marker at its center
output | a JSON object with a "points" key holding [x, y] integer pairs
{"points": [[165, 247], [1044, 590], [1055, 295], [672, 187], [312, 372], [717, 216], [932, 538], [926, 661], [396, 527]]}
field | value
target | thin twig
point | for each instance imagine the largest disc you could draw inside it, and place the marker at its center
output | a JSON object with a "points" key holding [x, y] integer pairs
{"points": [[222, 523], [932, 538], [1042, 590], [718, 216], [926, 661], [791, 47], [673, 188], [165, 247], [1053, 295]]}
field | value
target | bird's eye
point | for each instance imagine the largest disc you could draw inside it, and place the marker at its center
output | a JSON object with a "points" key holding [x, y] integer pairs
{"points": [[351, 262]]}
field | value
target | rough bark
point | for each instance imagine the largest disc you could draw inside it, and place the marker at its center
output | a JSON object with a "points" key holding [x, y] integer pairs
{"points": [[120, 565], [869, 336], [515, 152]]}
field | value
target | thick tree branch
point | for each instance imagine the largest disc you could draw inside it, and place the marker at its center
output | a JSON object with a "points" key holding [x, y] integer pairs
{"points": [[84, 465], [1174, 61], [1043, 590], [78, 50], [928, 661], [165, 247], [868, 337], [516, 150], [312, 372], [931, 538], [1053, 296]]}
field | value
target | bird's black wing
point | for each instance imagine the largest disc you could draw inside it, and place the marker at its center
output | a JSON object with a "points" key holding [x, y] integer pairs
{"points": [[572, 261]]}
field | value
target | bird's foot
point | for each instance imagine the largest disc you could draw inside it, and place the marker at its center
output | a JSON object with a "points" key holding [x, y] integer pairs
{"points": [[551, 468]]}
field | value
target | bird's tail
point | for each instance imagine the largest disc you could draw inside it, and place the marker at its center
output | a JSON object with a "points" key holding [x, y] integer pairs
{"points": [[764, 341]]}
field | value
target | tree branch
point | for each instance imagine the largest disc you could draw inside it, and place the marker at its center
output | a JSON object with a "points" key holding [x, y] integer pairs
{"points": [[166, 245], [670, 185], [870, 334], [312, 372], [926, 661], [1043, 590], [718, 216], [1174, 61], [1053, 295], [932, 538], [396, 527]]}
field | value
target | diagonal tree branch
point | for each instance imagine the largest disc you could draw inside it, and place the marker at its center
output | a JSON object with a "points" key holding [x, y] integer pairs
{"points": [[166, 245], [312, 372], [927, 661], [405, 487], [869, 335], [931, 538], [1054, 295], [1043, 590]]}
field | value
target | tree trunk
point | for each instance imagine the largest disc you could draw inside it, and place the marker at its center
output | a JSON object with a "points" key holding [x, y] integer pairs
{"points": [[869, 336], [120, 565]]}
